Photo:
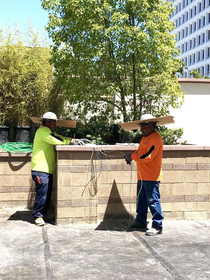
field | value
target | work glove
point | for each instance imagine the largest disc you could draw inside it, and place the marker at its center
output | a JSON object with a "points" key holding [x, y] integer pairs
{"points": [[72, 141], [76, 142], [128, 158]]}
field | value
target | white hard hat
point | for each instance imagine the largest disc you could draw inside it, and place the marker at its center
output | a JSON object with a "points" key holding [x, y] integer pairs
{"points": [[49, 116], [147, 117]]}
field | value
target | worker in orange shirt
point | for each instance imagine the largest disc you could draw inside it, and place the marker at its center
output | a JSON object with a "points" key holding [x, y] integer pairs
{"points": [[149, 174]]}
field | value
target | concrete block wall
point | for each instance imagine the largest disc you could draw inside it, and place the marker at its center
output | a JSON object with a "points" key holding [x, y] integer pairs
{"points": [[185, 188], [93, 184], [16, 187]]}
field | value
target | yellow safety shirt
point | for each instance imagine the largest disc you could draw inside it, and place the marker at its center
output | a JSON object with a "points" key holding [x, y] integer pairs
{"points": [[149, 158], [44, 154]]}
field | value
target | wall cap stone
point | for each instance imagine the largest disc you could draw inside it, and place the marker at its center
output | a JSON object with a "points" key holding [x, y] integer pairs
{"points": [[133, 147]]}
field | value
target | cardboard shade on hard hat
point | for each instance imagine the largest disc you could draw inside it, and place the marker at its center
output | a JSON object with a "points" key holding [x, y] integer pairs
{"points": [[135, 124], [65, 123]]}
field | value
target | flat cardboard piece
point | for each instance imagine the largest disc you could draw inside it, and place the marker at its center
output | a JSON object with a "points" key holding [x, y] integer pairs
{"points": [[65, 123], [135, 125]]}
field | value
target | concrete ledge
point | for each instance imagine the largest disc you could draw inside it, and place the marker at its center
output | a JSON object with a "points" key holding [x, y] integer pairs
{"points": [[132, 147]]}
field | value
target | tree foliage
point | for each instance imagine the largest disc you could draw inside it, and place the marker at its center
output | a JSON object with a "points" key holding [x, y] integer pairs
{"points": [[195, 74], [26, 76], [115, 58], [110, 133]]}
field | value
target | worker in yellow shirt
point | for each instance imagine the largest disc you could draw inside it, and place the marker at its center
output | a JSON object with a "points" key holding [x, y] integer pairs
{"points": [[149, 174], [43, 163]]}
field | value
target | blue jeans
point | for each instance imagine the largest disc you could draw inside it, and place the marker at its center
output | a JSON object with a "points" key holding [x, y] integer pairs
{"points": [[43, 183], [148, 195]]}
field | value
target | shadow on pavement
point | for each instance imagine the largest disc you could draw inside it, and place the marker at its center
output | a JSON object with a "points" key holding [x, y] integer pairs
{"points": [[25, 216]]}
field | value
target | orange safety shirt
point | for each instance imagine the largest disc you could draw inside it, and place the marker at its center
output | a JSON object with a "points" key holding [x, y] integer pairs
{"points": [[149, 158]]}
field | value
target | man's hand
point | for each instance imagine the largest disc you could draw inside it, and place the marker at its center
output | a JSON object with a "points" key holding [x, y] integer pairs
{"points": [[128, 158]]}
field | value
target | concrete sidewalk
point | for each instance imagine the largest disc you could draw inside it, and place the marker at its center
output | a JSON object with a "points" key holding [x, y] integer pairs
{"points": [[101, 251]]}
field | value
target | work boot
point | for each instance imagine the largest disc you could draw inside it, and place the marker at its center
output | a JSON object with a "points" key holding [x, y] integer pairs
{"points": [[49, 217], [39, 221], [136, 224], [153, 231]]}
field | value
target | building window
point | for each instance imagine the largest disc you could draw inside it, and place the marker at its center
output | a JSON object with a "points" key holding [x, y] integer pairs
{"points": [[186, 31], [202, 54], [193, 61], [203, 38], [203, 21], [198, 40], [183, 33], [208, 35], [190, 44], [186, 16], [199, 23], [191, 13], [190, 28], [199, 7], [182, 48], [207, 69], [194, 26], [194, 14], [194, 39], [202, 71], [208, 52], [204, 4], [183, 18], [198, 56]]}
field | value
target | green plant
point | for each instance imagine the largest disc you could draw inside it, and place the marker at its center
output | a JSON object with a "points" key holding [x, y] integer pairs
{"points": [[26, 77]]}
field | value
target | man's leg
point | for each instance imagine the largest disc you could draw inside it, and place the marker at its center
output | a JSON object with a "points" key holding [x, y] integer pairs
{"points": [[153, 200], [42, 190], [142, 206], [49, 193]]}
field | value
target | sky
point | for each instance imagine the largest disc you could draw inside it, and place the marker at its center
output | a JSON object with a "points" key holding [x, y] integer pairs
{"points": [[21, 11]]}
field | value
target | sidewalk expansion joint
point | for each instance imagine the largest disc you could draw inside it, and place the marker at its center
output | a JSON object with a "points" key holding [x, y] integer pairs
{"points": [[48, 266], [171, 270]]}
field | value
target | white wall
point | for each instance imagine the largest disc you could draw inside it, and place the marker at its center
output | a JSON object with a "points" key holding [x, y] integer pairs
{"points": [[194, 115]]}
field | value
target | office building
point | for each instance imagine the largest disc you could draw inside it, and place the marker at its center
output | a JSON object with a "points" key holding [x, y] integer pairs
{"points": [[192, 22]]}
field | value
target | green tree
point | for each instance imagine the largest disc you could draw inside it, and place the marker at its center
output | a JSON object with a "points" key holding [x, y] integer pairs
{"points": [[195, 74], [115, 58], [26, 76]]}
